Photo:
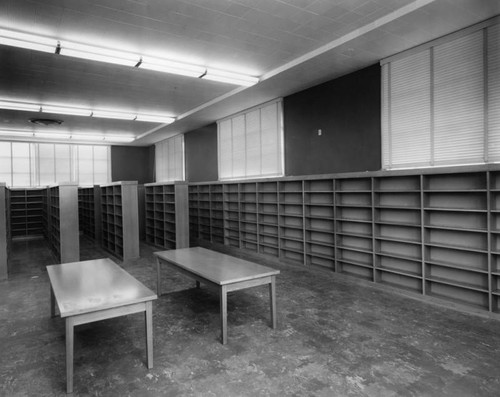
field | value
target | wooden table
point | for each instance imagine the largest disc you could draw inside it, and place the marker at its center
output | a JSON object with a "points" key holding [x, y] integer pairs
{"points": [[222, 272], [96, 290]]}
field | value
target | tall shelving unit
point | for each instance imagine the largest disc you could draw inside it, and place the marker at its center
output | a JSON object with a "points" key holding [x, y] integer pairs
{"points": [[89, 211], [26, 211], [167, 215], [4, 233], [120, 219], [434, 233], [62, 222]]}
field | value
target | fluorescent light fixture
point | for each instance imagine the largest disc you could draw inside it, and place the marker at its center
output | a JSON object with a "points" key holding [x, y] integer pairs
{"points": [[15, 133], [66, 110], [155, 118], [117, 138], [29, 107], [82, 137], [51, 135], [110, 114], [28, 41], [98, 54], [230, 77], [166, 66]]}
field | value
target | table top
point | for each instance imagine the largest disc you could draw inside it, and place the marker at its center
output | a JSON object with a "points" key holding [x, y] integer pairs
{"points": [[214, 266], [89, 286]]}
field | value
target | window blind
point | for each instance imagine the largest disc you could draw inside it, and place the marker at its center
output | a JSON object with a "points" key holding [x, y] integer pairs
{"points": [[250, 143], [169, 158], [25, 164], [440, 103]]}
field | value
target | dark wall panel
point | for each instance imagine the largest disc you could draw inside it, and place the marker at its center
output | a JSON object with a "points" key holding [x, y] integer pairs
{"points": [[131, 163], [201, 154], [347, 111]]}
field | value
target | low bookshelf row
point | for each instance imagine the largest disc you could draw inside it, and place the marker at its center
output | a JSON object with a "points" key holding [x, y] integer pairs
{"points": [[167, 215], [4, 230], [432, 232]]}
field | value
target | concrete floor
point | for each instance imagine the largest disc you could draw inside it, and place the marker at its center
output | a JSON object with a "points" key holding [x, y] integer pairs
{"points": [[335, 337]]}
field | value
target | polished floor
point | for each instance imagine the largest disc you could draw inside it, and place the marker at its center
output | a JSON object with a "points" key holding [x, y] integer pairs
{"points": [[335, 337]]}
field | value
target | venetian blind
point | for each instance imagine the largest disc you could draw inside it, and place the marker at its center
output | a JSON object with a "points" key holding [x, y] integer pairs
{"points": [[251, 143], [440, 103], [169, 158]]}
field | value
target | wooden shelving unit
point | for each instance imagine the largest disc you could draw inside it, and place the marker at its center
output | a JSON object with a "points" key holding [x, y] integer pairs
{"points": [[120, 219], [167, 215], [89, 211], [62, 222], [26, 212], [434, 232]]}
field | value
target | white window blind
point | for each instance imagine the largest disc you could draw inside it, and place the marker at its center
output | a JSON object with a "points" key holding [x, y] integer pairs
{"points": [[440, 103], [25, 164], [251, 143], [169, 158], [493, 92]]}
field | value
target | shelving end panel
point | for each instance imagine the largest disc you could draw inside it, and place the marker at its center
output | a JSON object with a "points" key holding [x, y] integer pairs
{"points": [[3, 232], [69, 223]]}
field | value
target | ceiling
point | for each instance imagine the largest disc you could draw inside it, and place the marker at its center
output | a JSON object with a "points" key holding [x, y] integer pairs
{"points": [[289, 44]]}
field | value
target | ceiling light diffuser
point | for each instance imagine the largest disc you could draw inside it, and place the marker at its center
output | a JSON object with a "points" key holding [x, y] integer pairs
{"points": [[14, 133], [108, 114], [116, 138], [98, 54], [166, 66], [28, 41], [66, 110], [51, 135], [155, 118], [29, 107], [230, 78], [82, 137]]}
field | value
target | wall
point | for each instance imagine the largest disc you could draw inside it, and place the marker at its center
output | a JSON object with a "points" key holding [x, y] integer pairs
{"points": [[201, 154], [130, 163], [347, 110]]}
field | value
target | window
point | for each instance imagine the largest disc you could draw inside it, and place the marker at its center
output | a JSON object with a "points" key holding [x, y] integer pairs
{"points": [[25, 164], [251, 143], [169, 155], [440, 102]]}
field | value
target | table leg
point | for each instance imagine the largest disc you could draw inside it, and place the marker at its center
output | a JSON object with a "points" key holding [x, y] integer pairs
{"points": [[272, 301], [52, 303], [158, 290], [69, 354], [197, 284], [223, 313], [149, 333]]}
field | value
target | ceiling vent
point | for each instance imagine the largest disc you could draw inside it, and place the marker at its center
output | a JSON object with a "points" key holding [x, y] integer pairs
{"points": [[46, 122]]}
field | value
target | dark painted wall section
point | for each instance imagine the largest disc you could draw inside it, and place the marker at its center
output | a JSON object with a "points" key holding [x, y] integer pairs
{"points": [[132, 163], [201, 154], [347, 110]]}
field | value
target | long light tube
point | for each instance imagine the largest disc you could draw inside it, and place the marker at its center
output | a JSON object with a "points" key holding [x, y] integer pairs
{"points": [[28, 41], [66, 110], [230, 78], [167, 66], [111, 114], [155, 118], [28, 107], [84, 51], [98, 54]]}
